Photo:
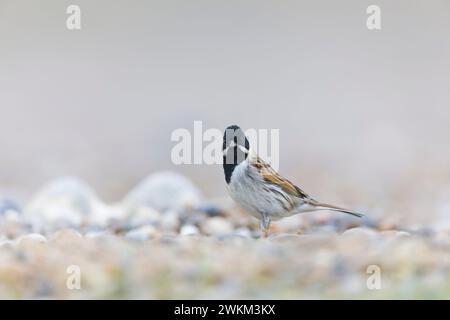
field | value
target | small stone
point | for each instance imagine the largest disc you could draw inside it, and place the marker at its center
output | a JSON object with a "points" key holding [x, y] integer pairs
{"points": [[12, 216], [63, 203], [104, 216], [6, 244], [289, 225], [394, 234], [210, 210], [31, 238], [217, 226], [170, 221], [164, 191], [282, 237], [143, 216], [169, 239], [325, 229], [12, 224], [66, 236], [189, 230], [97, 234], [243, 233], [360, 234], [402, 235], [142, 233], [7, 205]]}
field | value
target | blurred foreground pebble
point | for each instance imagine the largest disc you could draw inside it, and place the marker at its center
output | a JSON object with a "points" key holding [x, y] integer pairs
{"points": [[67, 203], [146, 264]]}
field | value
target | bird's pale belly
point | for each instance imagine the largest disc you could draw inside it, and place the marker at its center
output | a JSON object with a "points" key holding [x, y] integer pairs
{"points": [[257, 201]]}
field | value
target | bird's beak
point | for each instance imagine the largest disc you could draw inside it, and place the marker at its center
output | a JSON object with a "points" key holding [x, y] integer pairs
{"points": [[231, 145], [243, 149]]}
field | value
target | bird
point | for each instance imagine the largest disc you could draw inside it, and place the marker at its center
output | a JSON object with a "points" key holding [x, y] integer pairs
{"points": [[261, 191]]}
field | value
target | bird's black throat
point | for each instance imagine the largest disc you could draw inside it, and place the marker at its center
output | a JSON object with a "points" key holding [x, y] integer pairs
{"points": [[236, 153], [229, 166], [231, 160]]}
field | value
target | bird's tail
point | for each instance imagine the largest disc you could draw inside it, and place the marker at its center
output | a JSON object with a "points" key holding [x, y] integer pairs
{"points": [[324, 206]]}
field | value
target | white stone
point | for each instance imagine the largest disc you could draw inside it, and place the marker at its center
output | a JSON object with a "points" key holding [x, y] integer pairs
{"points": [[142, 233], [142, 216], [170, 221], [63, 203], [189, 230], [217, 226], [66, 235], [243, 232], [6, 244], [31, 238], [361, 233], [164, 191]]}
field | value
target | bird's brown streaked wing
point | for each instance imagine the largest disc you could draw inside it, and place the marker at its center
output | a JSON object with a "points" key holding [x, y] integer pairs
{"points": [[273, 177]]}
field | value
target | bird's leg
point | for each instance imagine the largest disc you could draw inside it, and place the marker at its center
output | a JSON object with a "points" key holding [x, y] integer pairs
{"points": [[265, 225]]}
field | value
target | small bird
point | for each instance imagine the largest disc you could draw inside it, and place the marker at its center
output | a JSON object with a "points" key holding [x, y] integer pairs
{"points": [[259, 189]]}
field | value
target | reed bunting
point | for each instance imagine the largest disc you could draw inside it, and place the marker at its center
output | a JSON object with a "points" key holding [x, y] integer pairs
{"points": [[258, 188]]}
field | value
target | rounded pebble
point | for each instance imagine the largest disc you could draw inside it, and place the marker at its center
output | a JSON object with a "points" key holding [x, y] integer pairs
{"points": [[31, 238], [164, 191], [189, 230], [217, 226], [142, 233]]}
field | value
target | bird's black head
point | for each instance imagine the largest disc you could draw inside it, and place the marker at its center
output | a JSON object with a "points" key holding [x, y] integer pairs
{"points": [[235, 149]]}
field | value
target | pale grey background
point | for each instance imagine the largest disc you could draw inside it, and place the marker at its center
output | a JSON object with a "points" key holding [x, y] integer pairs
{"points": [[362, 112]]}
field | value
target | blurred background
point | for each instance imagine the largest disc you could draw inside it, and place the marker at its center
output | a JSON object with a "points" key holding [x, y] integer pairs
{"points": [[363, 115]]}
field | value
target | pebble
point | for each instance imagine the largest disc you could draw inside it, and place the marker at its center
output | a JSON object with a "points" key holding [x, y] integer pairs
{"points": [[169, 239], [142, 233], [217, 226], [63, 203], [169, 221], [238, 234], [210, 210], [104, 215], [243, 233], [281, 237], [12, 216], [360, 233], [142, 216], [97, 234], [164, 191], [394, 234], [31, 238], [6, 243], [289, 225], [189, 230], [193, 218], [66, 236], [7, 205], [12, 224]]}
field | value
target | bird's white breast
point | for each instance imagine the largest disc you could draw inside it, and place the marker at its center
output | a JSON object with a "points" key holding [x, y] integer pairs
{"points": [[252, 193]]}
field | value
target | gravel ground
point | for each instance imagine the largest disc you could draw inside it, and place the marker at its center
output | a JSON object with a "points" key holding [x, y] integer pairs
{"points": [[164, 240]]}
